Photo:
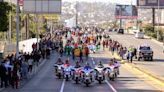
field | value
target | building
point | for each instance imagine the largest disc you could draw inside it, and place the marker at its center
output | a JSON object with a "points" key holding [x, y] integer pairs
{"points": [[12, 1], [162, 17]]}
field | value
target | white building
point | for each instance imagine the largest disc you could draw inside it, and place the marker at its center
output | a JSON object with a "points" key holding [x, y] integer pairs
{"points": [[12, 1], [162, 17]]}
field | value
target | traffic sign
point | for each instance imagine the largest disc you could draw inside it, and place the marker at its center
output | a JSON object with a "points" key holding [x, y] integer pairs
{"points": [[42, 6]]}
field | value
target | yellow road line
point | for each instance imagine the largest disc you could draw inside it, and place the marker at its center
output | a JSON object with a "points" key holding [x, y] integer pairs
{"points": [[156, 82], [152, 81]]}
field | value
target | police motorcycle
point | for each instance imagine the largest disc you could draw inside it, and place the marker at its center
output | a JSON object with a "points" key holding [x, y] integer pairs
{"points": [[59, 70], [87, 75], [100, 73], [67, 69], [110, 72], [116, 68], [77, 74]]}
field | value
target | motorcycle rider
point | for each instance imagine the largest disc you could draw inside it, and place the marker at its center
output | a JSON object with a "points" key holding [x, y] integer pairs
{"points": [[111, 63], [77, 65], [66, 64], [100, 65], [87, 67], [59, 61], [116, 64], [77, 69]]}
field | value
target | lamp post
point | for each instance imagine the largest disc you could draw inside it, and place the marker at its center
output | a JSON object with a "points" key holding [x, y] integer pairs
{"points": [[76, 13]]}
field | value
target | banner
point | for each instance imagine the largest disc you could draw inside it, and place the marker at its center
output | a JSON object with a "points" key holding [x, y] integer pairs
{"points": [[126, 12], [150, 3]]}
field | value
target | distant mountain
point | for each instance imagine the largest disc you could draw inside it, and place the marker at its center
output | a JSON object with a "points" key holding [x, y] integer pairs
{"points": [[97, 11]]}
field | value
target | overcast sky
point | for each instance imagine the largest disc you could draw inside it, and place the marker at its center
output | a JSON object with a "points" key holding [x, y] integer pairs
{"points": [[112, 1]]}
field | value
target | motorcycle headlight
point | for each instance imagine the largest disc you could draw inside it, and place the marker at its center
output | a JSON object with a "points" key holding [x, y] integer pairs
{"points": [[67, 70], [87, 74]]}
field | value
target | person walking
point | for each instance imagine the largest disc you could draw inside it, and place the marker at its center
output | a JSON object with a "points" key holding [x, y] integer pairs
{"points": [[30, 65], [24, 68], [15, 77], [81, 56], [61, 52], [3, 75]]}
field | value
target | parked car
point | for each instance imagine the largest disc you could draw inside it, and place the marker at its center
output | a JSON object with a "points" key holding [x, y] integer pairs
{"points": [[120, 31]]}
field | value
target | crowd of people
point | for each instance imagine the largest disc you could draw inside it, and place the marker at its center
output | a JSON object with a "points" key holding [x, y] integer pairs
{"points": [[14, 69], [91, 39], [80, 42]]}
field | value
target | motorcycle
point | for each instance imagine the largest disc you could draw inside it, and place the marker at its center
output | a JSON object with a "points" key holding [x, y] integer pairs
{"points": [[77, 75], [59, 70], [100, 74], [116, 69], [67, 72], [111, 73], [87, 76]]}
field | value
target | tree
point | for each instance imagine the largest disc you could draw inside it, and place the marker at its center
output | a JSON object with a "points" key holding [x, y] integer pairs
{"points": [[4, 11]]}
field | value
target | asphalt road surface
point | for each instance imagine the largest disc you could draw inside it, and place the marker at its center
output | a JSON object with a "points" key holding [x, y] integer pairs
{"points": [[156, 66], [45, 80]]}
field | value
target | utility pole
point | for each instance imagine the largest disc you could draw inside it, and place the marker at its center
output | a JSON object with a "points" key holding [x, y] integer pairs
{"points": [[17, 29], [37, 30], [76, 13], [10, 23]]}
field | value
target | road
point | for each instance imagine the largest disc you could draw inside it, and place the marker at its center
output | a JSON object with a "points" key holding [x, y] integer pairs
{"points": [[129, 40], [154, 67], [45, 81]]}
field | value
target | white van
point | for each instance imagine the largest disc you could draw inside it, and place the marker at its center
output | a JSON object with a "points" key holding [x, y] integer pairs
{"points": [[139, 35]]}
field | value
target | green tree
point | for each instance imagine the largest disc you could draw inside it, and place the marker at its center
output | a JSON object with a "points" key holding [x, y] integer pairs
{"points": [[4, 12]]}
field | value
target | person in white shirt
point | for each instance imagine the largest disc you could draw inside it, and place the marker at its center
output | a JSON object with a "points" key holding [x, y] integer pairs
{"points": [[30, 65]]}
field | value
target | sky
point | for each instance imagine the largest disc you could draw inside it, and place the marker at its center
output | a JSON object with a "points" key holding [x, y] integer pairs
{"points": [[112, 1]]}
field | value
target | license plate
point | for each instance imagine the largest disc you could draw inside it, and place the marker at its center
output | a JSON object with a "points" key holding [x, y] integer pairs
{"points": [[99, 75]]}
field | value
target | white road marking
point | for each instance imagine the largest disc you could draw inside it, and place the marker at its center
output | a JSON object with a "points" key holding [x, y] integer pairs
{"points": [[93, 62], [62, 86], [113, 89]]}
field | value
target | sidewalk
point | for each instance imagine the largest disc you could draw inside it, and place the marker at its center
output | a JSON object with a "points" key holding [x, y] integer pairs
{"points": [[30, 76]]}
